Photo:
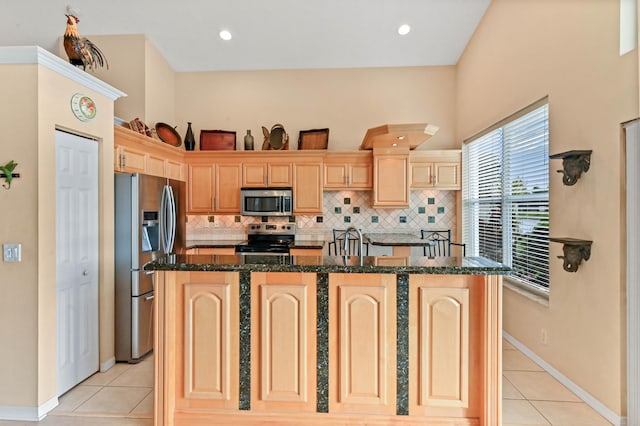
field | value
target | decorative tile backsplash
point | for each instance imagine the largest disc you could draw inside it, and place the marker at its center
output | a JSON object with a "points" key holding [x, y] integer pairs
{"points": [[429, 209]]}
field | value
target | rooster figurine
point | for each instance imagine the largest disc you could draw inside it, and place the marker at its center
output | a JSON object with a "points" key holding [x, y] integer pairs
{"points": [[80, 50]]}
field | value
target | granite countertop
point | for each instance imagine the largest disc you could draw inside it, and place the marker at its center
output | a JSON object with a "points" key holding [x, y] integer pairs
{"points": [[327, 264], [395, 239], [303, 244]]}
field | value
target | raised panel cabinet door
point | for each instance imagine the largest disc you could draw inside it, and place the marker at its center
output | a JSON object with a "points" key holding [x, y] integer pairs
{"points": [[361, 176], [447, 175], [439, 345], [390, 181], [132, 161], [201, 188], [228, 183], [174, 170], [283, 342], [421, 175], [155, 165], [254, 175], [307, 188], [362, 343], [280, 174], [335, 175], [207, 373]]}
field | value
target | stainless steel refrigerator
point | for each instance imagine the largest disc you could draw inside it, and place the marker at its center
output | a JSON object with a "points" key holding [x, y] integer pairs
{"points": [[150, 222]]}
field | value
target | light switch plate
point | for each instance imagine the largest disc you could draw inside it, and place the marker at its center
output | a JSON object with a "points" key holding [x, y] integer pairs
{"points": [[12, 252]]}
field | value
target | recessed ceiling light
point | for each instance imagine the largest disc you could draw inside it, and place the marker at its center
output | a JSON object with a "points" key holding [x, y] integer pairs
{"points": [[404, 29], [225, 35]]}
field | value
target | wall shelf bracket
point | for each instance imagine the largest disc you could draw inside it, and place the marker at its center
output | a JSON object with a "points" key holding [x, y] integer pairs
{"points": [[574, 163], [575, 251]]}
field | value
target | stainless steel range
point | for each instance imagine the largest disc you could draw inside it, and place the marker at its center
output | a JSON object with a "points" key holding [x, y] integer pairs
{"points": [[268, 238]]}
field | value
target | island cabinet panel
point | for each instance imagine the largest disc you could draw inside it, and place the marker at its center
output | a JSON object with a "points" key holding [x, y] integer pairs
{"points": [[206, 321], [441, 379], [283, 354], [362, 343]]}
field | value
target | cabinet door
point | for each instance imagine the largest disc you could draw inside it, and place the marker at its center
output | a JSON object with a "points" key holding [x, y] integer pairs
{"points": [[132, 161], [421, 175], [201, 188], [390, 181], [335, 175], [254, 175], [155, 165], [360, 176], [439, 344], [279, 174], [307, 188], [362, 343], [207, 341], [174, 170], [283, 341], [228, 182], [447, 176]]}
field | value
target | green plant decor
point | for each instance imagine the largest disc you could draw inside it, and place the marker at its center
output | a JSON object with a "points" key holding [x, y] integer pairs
{"points": [[6, 172]]}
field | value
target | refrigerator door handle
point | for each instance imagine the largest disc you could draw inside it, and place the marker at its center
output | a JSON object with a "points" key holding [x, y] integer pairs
{"points": [[163, 219]]}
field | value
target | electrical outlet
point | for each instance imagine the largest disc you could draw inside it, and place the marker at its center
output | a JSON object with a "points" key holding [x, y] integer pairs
{"points": [[12, 252], [544, 338]]}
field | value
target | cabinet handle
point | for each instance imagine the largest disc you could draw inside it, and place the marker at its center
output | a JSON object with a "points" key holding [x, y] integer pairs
{"points": [[124, 161]]}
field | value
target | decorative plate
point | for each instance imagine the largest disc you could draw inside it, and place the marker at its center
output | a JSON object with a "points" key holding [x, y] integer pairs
{"points": [[83, 107]]}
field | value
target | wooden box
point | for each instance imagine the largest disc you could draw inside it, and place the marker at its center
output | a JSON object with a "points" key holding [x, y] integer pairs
{"points": [[313, 139], [217, 140]]}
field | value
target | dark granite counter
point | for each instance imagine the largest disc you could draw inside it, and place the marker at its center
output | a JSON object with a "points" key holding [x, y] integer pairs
{"points": [[329, 264]]}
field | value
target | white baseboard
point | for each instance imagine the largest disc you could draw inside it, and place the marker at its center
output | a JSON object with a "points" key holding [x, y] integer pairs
{"points": [[107, 364], [585, 396], [29, 414]]}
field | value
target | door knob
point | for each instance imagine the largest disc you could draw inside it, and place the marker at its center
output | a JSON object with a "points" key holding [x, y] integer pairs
{"points": [[85, 273]]}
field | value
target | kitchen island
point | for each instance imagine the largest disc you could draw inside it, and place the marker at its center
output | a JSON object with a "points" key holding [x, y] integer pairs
{"points": [[244, 339]]}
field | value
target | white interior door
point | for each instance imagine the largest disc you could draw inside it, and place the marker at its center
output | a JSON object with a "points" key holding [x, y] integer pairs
{"points": [[76, 259]]}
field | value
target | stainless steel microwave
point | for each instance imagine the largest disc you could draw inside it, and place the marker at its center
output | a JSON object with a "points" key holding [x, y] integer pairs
{"points": [[266, 201]]}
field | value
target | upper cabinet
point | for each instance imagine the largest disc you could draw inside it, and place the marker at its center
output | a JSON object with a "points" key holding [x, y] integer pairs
{"points": [[343, 170], [136, 153], [267, 172], [214, 187], [436, 169], [307, 186], [391, 177]]}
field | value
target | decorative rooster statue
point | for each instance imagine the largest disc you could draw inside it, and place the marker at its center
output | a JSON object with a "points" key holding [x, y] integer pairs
{"points": [[80, 50]]}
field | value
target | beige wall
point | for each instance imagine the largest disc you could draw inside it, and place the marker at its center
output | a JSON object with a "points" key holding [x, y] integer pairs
{"points": [[38, 102], [347, 101], [159, 88], [568, 50]]}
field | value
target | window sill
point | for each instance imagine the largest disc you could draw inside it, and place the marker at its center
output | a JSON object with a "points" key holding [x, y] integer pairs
{"points": [[538, 296]]}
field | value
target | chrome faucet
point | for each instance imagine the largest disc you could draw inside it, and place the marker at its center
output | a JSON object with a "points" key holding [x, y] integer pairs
{"points": [[347, 233]]}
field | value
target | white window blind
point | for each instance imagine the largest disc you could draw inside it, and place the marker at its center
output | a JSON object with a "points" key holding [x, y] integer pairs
{"points": [[506, 195]]}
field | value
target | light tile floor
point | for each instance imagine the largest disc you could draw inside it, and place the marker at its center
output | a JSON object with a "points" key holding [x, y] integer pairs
{"points": [[123, 396]]}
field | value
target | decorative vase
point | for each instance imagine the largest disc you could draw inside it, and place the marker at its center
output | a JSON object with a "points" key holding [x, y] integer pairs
{"points": [[248, 141], [189, 140]]}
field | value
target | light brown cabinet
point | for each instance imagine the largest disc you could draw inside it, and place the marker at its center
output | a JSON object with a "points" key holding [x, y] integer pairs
{"points": [[348, 171], [307, 187], [268, 173], [436, 169], [362, 343], [136, 153], [283, 341], [390, 177], [214, 188]]}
